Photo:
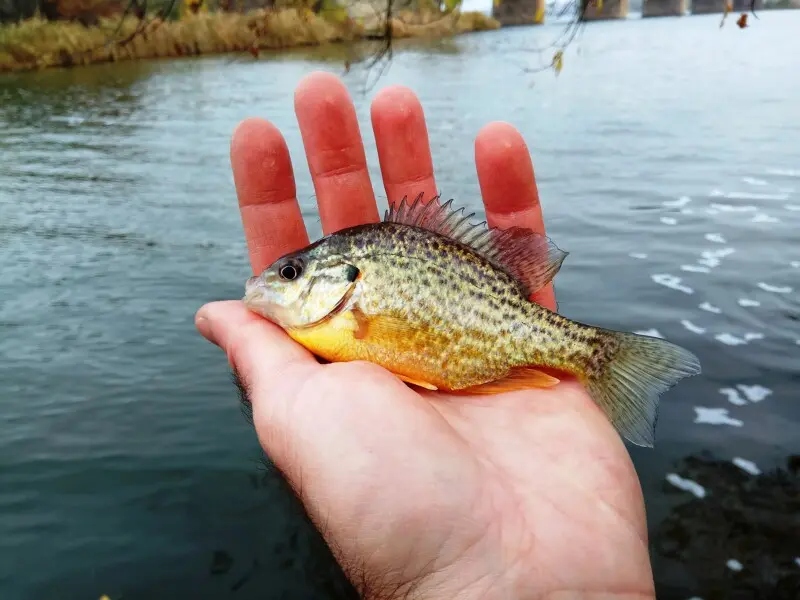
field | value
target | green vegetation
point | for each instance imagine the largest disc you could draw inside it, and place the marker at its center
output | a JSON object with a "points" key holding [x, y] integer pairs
{"points": [[36, 42]]}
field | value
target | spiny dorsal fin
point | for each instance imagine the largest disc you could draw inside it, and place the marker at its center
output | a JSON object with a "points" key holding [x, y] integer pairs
{"points": [[532, 258]]}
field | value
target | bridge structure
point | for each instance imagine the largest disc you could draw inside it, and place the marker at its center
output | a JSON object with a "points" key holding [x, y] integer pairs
{"points": [[519, 12], [664, 8], [528, 12]]}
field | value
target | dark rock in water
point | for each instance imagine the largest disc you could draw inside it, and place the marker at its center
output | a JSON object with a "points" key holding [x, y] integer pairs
{"points": [[740, 541], [221, 562]]}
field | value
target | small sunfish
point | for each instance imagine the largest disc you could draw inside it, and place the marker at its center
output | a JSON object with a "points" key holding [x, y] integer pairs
{"points": [[444, 305]]}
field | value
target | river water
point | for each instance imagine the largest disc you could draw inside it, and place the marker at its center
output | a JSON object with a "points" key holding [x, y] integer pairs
{"points": [[668, 160]]}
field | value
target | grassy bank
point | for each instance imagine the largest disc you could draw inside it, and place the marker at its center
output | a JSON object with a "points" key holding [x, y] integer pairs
{"points": [[37, 43]]}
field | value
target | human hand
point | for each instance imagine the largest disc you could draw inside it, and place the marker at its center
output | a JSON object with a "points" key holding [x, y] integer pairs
{"points": [[527, 494]]}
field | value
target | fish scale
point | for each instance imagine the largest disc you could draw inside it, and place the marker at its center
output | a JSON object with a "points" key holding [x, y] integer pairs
{"points": [[444, 304]]}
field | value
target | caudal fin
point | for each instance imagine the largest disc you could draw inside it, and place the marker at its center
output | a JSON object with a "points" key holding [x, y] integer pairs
{"points": [[628, 386]]}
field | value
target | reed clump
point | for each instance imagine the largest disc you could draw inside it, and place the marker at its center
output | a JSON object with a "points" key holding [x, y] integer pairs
{"points": [[39, 43]]}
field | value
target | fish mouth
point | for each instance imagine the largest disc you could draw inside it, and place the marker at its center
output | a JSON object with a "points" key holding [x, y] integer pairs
{"points": [[259, 300], [255, 296], [252, 283]]}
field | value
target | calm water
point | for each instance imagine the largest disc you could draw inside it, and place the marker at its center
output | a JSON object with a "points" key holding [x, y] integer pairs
{"points": [[666, 149]]}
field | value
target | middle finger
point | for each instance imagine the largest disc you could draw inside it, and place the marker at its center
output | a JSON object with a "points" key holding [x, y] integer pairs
{"points": [[335, 152]]}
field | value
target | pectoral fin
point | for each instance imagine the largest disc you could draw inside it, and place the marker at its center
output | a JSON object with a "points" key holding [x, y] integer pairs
{"points": [[518, 378]]}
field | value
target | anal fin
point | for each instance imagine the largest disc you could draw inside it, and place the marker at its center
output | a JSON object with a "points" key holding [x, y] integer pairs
{"points": [[518, 378], [422, 384]]}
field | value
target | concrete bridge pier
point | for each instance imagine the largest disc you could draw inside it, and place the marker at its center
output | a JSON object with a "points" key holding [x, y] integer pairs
{"points": [[519, 12], [740, 6], [706, 7], [664, 8], [612, 9]]}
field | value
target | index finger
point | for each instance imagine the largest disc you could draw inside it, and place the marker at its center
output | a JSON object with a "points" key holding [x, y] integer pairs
{"points": [[508, 187]]}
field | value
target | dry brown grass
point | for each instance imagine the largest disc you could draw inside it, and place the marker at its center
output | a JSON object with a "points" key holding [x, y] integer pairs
{"points": [[37, 43]]}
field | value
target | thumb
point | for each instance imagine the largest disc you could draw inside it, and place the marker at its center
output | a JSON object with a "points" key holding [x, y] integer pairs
{"points": [[271, 366], [256, 348]]}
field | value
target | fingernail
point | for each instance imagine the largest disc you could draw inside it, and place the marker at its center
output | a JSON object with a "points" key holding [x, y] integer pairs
{"points": [[204, 327]]}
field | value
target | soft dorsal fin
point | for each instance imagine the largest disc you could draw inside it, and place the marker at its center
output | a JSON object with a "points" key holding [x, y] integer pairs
{"points": [[532, 258]]}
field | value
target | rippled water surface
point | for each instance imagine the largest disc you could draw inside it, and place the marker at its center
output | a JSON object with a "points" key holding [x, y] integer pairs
{"points": [[668, 160]]}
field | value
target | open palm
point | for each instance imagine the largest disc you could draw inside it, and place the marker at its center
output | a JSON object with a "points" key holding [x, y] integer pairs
{"points": [[528, 494]]}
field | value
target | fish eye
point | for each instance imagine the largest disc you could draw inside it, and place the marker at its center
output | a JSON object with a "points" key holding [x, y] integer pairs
{"points": [[290, 270]]}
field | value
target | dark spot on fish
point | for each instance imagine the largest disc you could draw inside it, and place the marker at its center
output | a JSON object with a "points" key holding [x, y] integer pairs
{"points": [[351, 273]]}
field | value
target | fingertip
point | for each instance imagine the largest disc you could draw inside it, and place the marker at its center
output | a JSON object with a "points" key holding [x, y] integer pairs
{"points": [[262, 167], [505, 169], [325, 112], [499, 135], [318, 84], [335, 152], [255, 134], [204, 328], [395, 105], [251, 342], [207, 316], [401, 136]]}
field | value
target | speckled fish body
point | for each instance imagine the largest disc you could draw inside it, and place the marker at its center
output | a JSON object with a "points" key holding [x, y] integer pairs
{"points": [[444, 305]]}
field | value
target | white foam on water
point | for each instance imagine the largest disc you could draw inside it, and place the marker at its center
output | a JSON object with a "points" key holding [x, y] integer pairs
{"points": [[764, 218], [721, 253], [672, 282], [639, 255], [747, 302], [731, 208], [715, 416], [710, 258], [773, 288], [749, 337], [732, 394], [754, 196], [692, 327], [695, 269], [795, 264], [785, 172], [754, 393], [709, 262], [734, 565], [729, 339], [650, 332], [710, 308], [712, 211], [792, 206], [682, 201], [716, 193], [668, 220], [687, 211], [687, 485], [754, 181], [746, 465], [715, 237]]}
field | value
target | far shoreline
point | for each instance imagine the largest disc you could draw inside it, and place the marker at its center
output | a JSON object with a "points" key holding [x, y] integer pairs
{"points": [[36, 44]]}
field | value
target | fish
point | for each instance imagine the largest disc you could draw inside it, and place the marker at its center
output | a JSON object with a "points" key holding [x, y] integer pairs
{"points": [[445, 305]]}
